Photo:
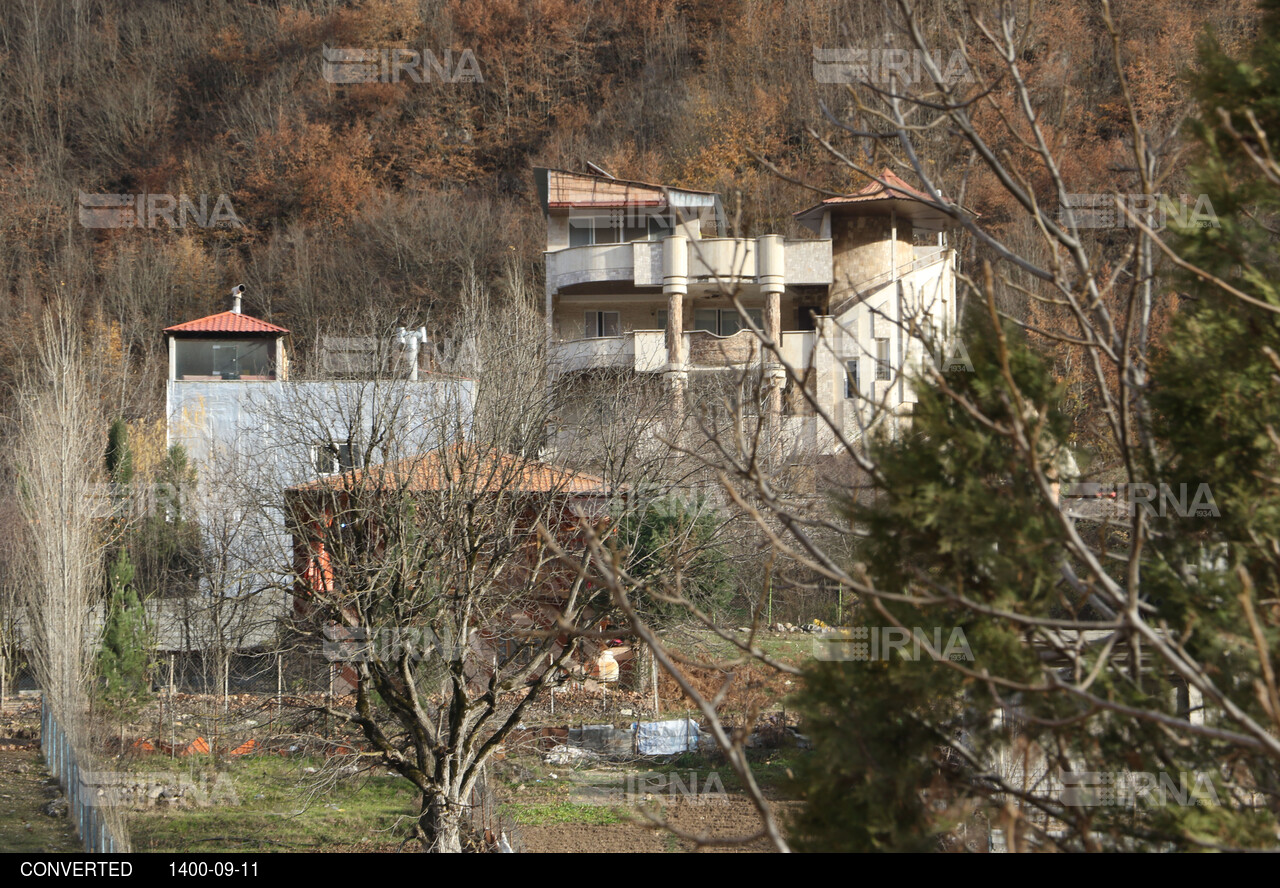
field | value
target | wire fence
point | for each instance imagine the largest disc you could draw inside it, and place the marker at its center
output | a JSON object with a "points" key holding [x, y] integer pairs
{"points": [[64, 762]]}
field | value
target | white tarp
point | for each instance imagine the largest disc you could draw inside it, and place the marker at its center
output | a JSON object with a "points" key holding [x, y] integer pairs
{"points": [[667, 737]]}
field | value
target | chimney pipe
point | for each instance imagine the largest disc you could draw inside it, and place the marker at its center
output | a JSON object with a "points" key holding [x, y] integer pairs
{"points": [[236, 292]]}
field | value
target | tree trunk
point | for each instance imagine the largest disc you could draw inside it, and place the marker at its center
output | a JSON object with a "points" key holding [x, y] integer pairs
{"points": [[441, 825]]}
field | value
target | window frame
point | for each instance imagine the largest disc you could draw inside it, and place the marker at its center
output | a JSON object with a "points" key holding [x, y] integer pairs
{"points": [[728, 314], [884, 360], [595, 320], [342, 457], [852, 378]]}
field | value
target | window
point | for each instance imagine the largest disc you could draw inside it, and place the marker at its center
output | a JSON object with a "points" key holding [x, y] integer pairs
{"points": [[225, 358], [725, 322], [330, 458], [662, 319], [585, 232], [882, 359], [607, 230], [602, 323], [658, 228], [226, 361], [851, 387], [579, 232]]}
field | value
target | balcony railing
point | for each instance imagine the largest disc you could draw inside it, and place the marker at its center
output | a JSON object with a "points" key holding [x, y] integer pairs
{"points": [[645, 351], [725, 259]]}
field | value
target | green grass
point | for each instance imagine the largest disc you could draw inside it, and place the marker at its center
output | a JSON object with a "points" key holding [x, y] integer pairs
{"points": [[279, 808], [542, 813], [792, 647]]}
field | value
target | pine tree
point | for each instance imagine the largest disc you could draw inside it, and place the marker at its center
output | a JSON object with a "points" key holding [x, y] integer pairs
{"points": [[119, 454], [124, 659], [955, 519]]}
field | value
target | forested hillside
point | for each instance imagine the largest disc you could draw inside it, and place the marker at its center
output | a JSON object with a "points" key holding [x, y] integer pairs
{"points": [[391, 194]]}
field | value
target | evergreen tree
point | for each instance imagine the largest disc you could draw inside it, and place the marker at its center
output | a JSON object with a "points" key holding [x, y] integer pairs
{"points": [[124, 659], [119, 454], [956, 530]]}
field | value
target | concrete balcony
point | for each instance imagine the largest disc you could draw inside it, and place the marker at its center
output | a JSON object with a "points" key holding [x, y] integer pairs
{"points": [[645, 351], [722, 259], [797, 348]]}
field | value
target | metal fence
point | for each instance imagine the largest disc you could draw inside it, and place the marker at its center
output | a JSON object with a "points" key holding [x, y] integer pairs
{"points": [[64, 762], [243, 672], [484, 812]]}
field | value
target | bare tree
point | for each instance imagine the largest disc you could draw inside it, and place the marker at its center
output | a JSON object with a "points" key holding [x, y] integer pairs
{"points": [[429, 561], [58, 457], [1100, 674]]}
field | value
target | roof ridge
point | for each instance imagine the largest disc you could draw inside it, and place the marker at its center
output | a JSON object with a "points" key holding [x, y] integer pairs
{"points": [[226, 322]]}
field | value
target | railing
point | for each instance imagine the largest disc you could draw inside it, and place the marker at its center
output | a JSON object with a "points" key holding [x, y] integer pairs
{"points": [[727, 259], [64, 763], [861, 289], [645, 351]]}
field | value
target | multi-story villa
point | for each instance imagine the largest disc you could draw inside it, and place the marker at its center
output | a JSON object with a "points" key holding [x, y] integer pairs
{"points": [[641, 278]]}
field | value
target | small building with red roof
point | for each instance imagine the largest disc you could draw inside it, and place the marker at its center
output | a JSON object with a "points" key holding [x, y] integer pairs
{"points": [[227, 347]]}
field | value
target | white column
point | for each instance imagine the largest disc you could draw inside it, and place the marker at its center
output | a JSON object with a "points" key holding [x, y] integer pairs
{"points": [[771, 268]]}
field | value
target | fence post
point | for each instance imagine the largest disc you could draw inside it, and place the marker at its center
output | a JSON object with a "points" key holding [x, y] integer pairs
{"points": [[653, 665]]}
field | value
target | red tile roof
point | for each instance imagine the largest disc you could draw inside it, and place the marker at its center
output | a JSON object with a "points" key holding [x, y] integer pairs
{"points": [[464, 465], [226, 322], [873, 190], [877, 199]]}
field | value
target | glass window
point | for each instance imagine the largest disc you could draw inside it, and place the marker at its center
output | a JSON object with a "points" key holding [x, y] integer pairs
{"points": [[658, 228], [882, 359], [662, 319], [602, 323], [225, 359], [851, 387], [579, 232], [225, 363], [725, 321], [606, 232], [330, 458]]}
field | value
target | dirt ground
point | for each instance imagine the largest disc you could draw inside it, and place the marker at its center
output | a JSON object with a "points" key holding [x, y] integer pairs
{"points": [[733, 817], [24, 792]]}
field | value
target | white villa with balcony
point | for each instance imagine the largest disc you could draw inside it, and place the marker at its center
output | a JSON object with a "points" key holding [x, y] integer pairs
{"points": [[639, 279]]}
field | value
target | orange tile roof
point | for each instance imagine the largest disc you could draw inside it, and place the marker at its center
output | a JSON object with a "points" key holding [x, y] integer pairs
{"points": [[873, 190], [879, 199], [226, 322], [488, 470]]}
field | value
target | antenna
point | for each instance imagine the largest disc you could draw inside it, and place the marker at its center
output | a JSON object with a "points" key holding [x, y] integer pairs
{"points": [[601, 170]]}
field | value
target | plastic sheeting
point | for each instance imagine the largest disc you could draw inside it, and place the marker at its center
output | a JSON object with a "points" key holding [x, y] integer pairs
{"points": [[667, 737]]}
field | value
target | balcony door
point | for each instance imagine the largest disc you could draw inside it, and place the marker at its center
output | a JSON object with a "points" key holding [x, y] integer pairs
{"points": [[602, 323]]}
